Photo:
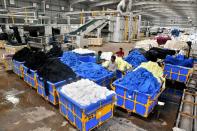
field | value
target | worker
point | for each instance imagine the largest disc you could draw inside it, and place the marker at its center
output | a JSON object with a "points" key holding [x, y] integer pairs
{"points": [[112, 64], [98, 57], [120, 53]]}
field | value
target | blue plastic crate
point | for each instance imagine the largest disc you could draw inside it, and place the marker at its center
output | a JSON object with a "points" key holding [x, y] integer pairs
{"points": [[143, 110], [87, 59], [18, 68], [52, 88], [135, 102], [103, 81], [86, 117], [178, 73], [30, 77]]}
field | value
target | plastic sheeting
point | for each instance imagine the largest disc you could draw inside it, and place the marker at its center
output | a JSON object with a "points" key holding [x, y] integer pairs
{"points": [[91, 71], [140, 80], [135, 58], [86, 92], [179, 60]]}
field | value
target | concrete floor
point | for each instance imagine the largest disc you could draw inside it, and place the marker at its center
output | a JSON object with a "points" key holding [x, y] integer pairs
{"points": [[22, 109]]}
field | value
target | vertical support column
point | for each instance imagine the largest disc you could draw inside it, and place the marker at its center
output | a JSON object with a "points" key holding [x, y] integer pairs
{"points": [[130, 26], [5, 4], [126, 28], [139, 25]]}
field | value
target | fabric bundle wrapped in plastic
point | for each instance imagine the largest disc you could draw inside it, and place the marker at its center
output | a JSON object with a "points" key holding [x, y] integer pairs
{"points": [[83, 51], [86, 92], [70, 59], [162, 39], [91, 71], [140, 80], [135, 58], [106, 56], [179, 60], [175, 32], [175, 45], [146, 44]]}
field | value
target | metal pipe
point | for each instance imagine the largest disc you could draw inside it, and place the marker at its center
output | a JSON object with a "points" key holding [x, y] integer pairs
{"points": [[187, 122]]}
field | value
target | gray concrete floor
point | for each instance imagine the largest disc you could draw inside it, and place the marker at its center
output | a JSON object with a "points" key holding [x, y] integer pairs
{"points": [[22, 109]]}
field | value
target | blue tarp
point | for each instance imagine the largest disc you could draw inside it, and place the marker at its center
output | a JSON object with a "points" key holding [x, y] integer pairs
{"points": [[179, 60], [140, 80], [91, 71], [70, 59], [135, 58]]}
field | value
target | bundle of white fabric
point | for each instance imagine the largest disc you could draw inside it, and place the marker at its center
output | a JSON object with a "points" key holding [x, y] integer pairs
{"points": [[146, 44], [175, 45], [83, 51], [106, 56], [86, 92]]}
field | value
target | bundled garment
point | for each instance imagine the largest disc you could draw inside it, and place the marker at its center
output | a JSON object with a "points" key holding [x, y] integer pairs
{"points": [[91, 71], [179, 60], [86, 92], [70, 59], [154, 68], [22, 55], [162, 39], [135, 58], [140, 80], [158, 53], [36, 60], [175, 45], [55, 71], [146, 44], [175, 32]]}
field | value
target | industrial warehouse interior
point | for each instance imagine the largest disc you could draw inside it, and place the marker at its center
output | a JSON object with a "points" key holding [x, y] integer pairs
{"points": [[102, 65]]}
